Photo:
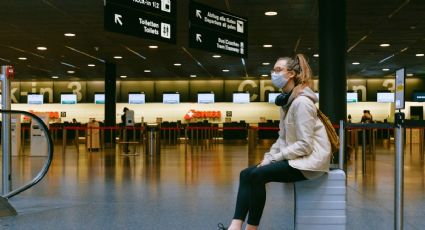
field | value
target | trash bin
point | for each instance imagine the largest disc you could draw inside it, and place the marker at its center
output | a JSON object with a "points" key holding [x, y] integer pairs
{"points": [[153, 139]]}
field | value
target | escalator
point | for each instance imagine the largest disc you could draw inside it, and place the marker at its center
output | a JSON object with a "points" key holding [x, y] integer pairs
{"points": [[6, 209]]}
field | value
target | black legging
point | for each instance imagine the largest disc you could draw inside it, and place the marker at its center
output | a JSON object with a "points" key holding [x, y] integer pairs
{"points": [[252, 188]]}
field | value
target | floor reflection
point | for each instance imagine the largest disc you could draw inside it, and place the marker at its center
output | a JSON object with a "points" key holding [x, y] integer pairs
{"points": [[183, 182]]}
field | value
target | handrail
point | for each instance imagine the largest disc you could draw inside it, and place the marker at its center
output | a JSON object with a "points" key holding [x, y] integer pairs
{"points": [[46, 166]]}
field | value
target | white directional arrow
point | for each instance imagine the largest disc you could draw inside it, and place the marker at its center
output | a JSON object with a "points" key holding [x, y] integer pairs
{"points": [[198, 14], [198, 37], [118, 19]]}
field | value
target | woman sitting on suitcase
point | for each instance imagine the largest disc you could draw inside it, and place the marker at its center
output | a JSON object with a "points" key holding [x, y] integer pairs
{"points": [[301, 152]]}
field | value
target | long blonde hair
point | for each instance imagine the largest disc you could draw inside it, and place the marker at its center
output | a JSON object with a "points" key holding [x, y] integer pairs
{"points": [[301, 69]]}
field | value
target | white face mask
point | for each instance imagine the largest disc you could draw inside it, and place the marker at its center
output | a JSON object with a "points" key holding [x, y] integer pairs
{"points": [[279, 80]]}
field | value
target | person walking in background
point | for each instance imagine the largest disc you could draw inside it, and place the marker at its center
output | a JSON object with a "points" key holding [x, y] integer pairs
{"points": [[301, 152], [125, 133]]}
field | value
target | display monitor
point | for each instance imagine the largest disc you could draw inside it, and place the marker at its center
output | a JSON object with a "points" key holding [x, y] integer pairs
{"points": [[385, 97], [170, 98], [419, 96], [352, 97], [272, 97], [205, 98], [99, 98], [68, 98], [35, 99], [136, 98], [416, 113], [240, 98]]}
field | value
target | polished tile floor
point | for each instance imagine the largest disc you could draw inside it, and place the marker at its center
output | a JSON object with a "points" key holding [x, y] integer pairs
{"points": [[194, 188]]}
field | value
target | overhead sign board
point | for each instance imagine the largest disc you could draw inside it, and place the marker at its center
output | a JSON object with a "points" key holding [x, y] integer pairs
{"points": [[152, 19], [139, 23], [216, 42], [217, 31]]}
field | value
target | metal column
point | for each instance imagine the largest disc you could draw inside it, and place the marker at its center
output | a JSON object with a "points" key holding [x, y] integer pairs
{"points": [[364, 151], [341, 144], [6, 74], [399, 171]]}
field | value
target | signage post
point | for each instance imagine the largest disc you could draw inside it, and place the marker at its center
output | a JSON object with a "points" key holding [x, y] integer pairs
{"points": [[399, 147], [217, 31]]}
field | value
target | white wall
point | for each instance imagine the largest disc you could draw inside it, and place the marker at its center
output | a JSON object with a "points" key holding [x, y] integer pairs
{"points": [[251, 113]]}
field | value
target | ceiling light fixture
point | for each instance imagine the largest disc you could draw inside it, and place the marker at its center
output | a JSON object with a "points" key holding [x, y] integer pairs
{"points": [[225, 70], [69, 34], [55, 77], [117, 57], [193, 75], [315, 55], [123, 76], [177, 64], [70, 71], [409, 74], [384, 45], [356, 63], [270, 13], [153, 47], [419, 55], [385, 69], [22, 58], [267, 46], [266, 63], [147, 70], [91, 65], [264, 75], [41, 48], [216, 56]]}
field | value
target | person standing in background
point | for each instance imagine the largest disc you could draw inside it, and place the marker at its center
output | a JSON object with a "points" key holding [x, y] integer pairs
{"points": [[367, 117], [124, 132]]}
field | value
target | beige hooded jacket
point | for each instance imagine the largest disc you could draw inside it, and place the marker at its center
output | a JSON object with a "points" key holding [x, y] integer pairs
{"points": [[303, 140]]}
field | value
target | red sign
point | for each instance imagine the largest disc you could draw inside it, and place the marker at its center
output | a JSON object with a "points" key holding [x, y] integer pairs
{"points": [[52, 115], [10, 73], [193, 114]]}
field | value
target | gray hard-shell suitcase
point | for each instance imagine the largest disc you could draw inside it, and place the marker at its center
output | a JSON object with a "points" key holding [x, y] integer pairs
{"points": [[321, 203]]}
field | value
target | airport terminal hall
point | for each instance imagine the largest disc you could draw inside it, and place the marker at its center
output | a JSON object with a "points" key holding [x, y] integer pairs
{"points": [[212, 114]]}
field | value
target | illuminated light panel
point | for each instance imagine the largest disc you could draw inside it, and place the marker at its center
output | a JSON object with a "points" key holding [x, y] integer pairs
{"points": [[270, 13]]}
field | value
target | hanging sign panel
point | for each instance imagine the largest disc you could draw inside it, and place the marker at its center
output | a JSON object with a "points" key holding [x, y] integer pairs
{"points": [[217, 31]]}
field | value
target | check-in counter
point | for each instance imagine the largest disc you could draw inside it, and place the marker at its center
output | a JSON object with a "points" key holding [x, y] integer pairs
{"points": [[235, 131], [268, 130]]}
